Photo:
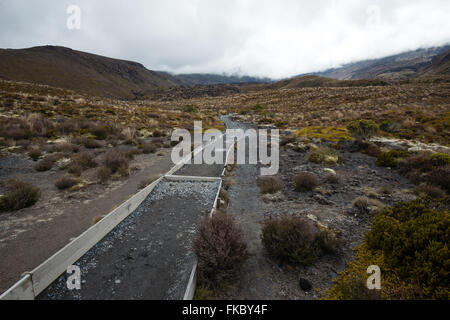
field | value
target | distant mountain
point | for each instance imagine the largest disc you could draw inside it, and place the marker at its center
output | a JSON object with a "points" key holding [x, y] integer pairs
{"points": [[402, 66], [212, 79], [82, 72]]}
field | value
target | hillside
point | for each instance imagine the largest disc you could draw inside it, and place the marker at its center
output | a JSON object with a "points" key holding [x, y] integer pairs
{"points": [[82, 72], [402, 66]]}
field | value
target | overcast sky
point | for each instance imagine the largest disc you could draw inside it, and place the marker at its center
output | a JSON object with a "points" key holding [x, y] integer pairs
{"points": [[255, 37]]}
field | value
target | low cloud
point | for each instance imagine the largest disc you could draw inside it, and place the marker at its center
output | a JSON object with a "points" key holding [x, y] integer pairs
{"points": [[255, 37]]}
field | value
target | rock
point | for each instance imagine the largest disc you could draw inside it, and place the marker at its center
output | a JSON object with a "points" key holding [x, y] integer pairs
{"points": [[276, 197], [322, 200], [329, 170], [305, 285]]}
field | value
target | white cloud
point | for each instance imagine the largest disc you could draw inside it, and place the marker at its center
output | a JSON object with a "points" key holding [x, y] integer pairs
{"points": [[256, 37]]}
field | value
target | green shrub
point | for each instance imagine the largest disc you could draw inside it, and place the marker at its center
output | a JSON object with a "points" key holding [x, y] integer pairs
{"points": [[414, 241], [390, 158], [323, 156], [19, 195], [409, 242], [296, 240], [440, 159], [221, 251], [362, 129], [390, 126]]}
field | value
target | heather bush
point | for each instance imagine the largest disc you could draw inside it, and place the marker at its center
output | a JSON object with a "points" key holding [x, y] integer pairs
{"points": [[19, 195], [220, 249]]}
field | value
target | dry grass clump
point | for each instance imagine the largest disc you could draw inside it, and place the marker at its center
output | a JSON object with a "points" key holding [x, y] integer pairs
{"points": [[221, 251], [269, 184], [333, 178], [296, 240], [19, 195], [129, 135], [305, 181], [66, 182]]}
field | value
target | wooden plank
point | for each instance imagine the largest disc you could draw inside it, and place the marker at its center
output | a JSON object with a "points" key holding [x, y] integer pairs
{"points": [[57, 264], [22, 290]]}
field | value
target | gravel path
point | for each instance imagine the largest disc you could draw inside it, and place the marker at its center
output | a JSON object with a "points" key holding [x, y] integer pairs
{"points": [[148, 255]]}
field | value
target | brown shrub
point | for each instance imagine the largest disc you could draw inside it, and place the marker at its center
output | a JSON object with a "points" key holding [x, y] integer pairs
{"points": [[296, 240], [117, 161], [19, 195], [440, 176], [34, 153], [149, 148], [305, 181], [426, 190], [48, 162], [66, 182], [367, 205], [220, 249], [269, 184], [104, 174], [83, 161]]}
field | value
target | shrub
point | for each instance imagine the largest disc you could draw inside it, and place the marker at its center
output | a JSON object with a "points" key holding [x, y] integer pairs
{"points": [[323, 156], [84, 160], [117, 161], [48, 162], [295, 240], [269, 184], [425, 190], [129, 134], [390, 158], [414, 242], [149, 148], [305, 181], [19, 195], [91, 143], [220, 249], [440, 176], [333, 178], [66, 182], [440, 159], [35, 153], [367, 205], [390, 126], [362, 129], [103, 174]]}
